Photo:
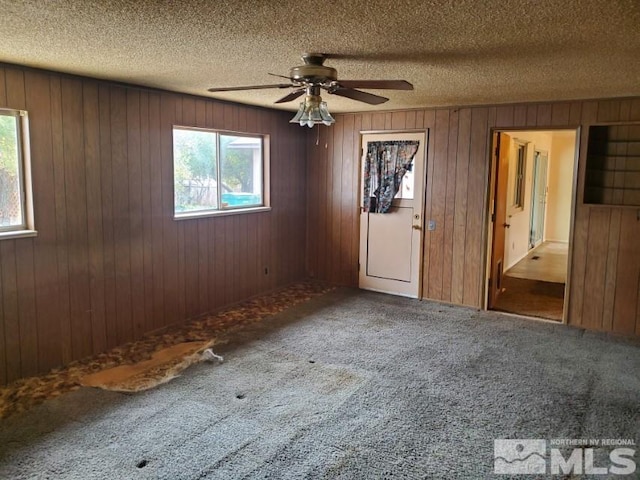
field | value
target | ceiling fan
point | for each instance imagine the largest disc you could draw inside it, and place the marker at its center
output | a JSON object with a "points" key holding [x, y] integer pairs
{"points": [[312, 77]]}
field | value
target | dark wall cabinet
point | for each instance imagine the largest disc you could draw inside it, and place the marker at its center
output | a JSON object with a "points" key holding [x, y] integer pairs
{"points": [[613, 165]]}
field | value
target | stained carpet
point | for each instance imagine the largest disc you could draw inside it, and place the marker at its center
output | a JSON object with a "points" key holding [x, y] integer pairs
{"points": [[25, 393], [349, 385]]}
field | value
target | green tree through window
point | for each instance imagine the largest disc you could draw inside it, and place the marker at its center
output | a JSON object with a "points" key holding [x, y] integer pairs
{"points": [[11, 212], [215, 171]]}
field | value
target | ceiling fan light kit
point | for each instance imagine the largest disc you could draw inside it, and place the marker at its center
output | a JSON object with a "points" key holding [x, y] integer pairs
{"points": [[310, 78], [313, 111]]}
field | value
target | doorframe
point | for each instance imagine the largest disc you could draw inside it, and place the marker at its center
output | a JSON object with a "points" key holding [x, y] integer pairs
{"points": [[546, 179], [487, 233], [361, 133]]}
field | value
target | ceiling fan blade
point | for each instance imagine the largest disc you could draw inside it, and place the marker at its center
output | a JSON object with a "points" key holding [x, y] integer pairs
{"points": [[250, 87], [365, 97], [377, 84], [291, 96], [280, 76]]}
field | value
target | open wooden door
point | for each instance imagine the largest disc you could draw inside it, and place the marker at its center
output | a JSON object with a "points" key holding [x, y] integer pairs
{"points": [[502, 144]]}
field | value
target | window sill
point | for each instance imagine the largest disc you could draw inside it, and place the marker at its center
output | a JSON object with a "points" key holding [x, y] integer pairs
{"points": [[220, 213], [18, 234]]}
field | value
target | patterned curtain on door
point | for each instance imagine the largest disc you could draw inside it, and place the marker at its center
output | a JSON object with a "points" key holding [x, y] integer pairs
{"points": [[385, 165]]}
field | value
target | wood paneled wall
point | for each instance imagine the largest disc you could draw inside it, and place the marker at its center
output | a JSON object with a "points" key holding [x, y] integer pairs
{"points": [[109, 262], [606, 268]]}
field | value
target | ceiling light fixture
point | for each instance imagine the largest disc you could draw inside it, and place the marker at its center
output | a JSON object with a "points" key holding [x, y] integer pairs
{"points": [[313, 110]]}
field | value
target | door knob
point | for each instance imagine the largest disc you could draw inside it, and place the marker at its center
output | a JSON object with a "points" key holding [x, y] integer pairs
{"points": [[417, 227], [506, 225]]}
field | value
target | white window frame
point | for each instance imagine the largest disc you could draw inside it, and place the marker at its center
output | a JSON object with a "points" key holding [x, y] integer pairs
{"points": [[517, 204], [222, 211], [26, 228]]}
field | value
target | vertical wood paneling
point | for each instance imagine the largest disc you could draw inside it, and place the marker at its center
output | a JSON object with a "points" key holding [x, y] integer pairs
{"points": [[560, 113], [449, 219], [544, 115], [327, 244], [169, 228], [628, 274], [336, 257], [460, 215], [505, 115], [358, 125], [106, 178], [25, 282], [519, 115], [189, 237], [575, 113], [595, 271], [581, 224], [147, 236], [62, 238], [10, 310], [476, 192], [436, 206], [609, 292], [608, 110], [76, 193], [110, 263], [348, 200], [91, 115], [428, 122], [457, 185], [121, 221], [277, 186], [532, 116], [179, 232], [47, 301]]}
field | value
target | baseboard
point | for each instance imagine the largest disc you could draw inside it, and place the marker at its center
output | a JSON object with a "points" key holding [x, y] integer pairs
{"points": [[507, 268]]}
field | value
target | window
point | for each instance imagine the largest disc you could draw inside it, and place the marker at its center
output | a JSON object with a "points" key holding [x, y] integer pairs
{"points": [[15, 180], [216, 172], [520, 166]]}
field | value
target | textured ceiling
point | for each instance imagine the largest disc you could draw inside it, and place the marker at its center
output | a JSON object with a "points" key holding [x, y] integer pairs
{"points": [[456, 52]]}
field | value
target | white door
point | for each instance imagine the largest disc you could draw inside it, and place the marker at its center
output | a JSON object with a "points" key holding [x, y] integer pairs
{"points": [[538, 198], [391, 243]]}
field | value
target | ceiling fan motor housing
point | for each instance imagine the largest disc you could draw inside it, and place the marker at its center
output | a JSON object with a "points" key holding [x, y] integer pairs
{"points": [[313, 71], [313, 74]]}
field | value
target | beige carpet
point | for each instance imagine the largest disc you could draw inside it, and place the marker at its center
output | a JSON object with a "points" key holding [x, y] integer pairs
{"points": [[532, 297], [547, 263]]}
